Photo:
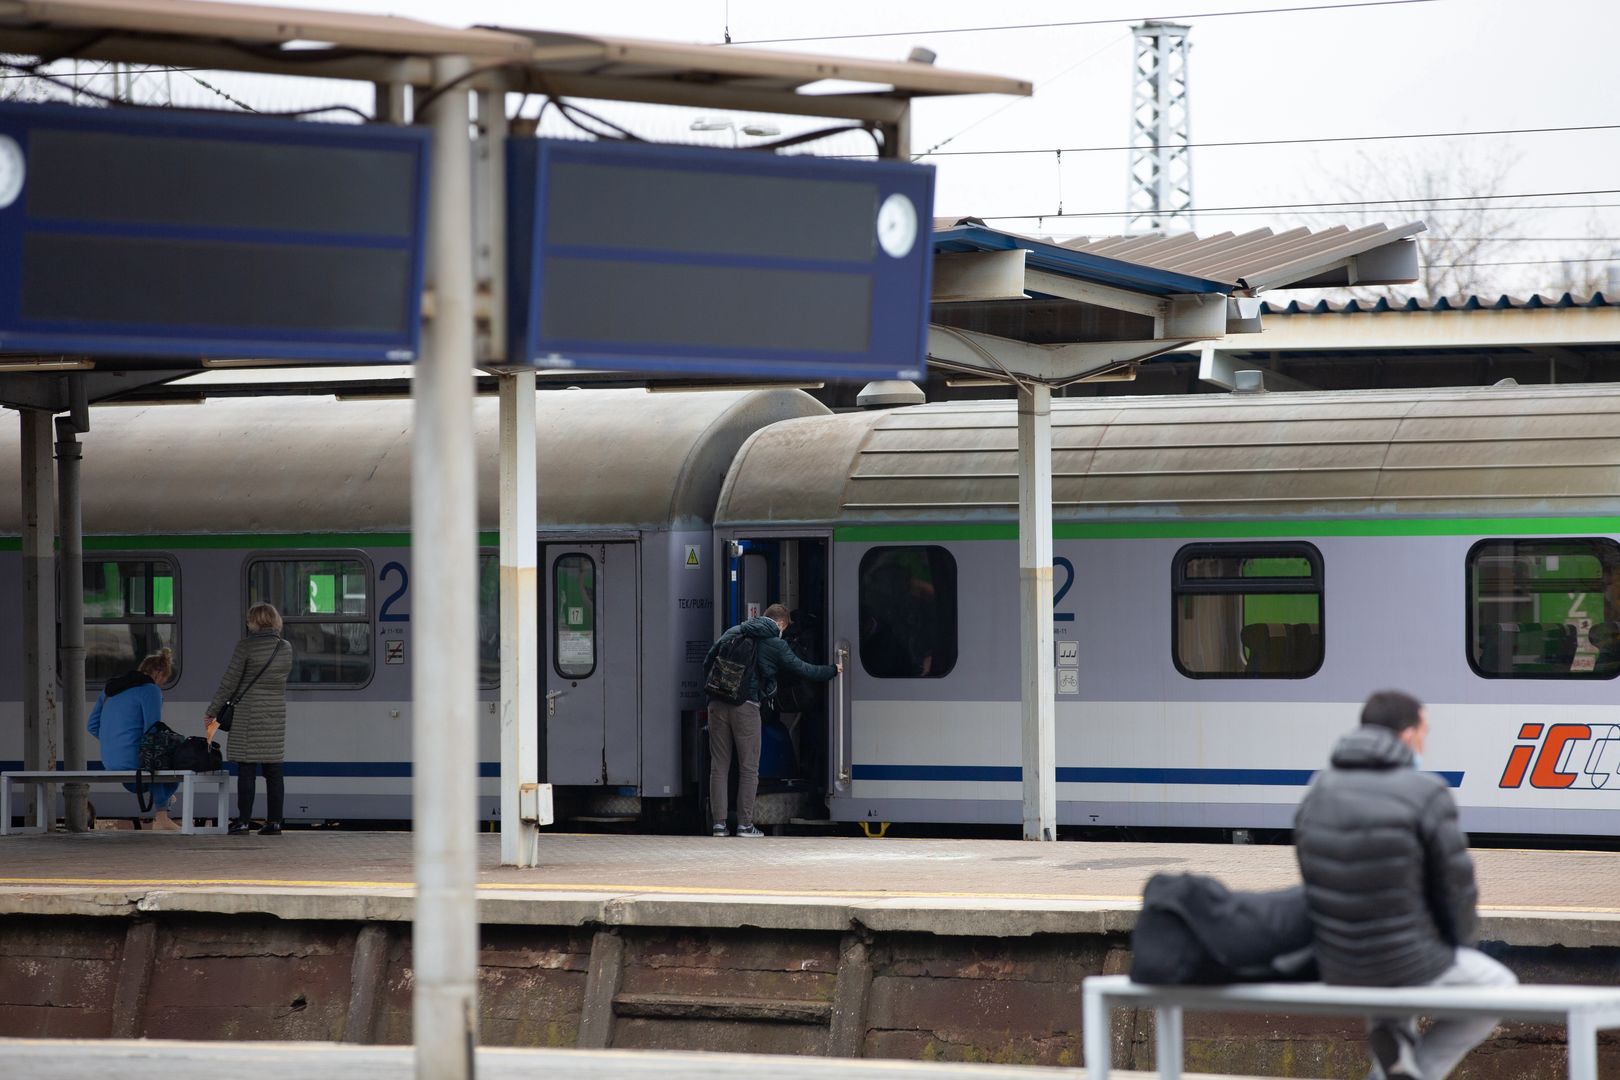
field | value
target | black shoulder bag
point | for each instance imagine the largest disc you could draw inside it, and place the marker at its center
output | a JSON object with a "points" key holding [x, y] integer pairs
{"points": [[227, 711]]}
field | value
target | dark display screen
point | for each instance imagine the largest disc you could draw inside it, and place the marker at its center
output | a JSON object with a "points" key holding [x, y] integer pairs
{"points": [[182, 284], [216, 183], [602, 300], [709, 213]]}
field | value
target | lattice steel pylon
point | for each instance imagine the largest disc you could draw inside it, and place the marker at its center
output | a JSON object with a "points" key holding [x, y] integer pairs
{"points": [[1160, 192], [133, 84]]}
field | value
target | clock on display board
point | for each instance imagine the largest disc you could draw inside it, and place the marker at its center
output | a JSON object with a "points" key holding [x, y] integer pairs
{"points": [[897, 226], [13, 168]]}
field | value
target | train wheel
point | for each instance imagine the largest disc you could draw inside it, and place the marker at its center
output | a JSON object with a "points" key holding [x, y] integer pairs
{"points": [[875, 830]]}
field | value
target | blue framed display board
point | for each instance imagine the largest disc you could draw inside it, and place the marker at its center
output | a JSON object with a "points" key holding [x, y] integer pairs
{"points": [[683, 260], [152, 232]]}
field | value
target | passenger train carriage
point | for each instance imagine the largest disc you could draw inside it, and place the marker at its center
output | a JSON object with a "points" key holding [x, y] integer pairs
{"points": [[1233, 575]]}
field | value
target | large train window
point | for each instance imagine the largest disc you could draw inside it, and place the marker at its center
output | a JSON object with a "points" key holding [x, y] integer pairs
{"points": [[325, 605], [489, 621], [131, 610], [1544, 609], [908, 612], [573, 587], [1247, 611]]}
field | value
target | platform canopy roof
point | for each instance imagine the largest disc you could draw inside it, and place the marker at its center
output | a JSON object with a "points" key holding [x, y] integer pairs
{"points": [[385, 48], [1018, 308]]}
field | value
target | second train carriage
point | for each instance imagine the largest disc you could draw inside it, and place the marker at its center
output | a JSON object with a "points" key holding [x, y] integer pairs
{"points": [[192, 512], [1233, 575]]}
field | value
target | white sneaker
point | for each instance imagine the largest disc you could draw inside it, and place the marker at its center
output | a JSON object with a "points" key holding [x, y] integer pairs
{"points": [[748, 830], [719, 829]]}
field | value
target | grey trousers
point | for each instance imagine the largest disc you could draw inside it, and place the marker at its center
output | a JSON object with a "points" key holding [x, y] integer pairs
{"points": [[733, 726], [1447, 1042]]}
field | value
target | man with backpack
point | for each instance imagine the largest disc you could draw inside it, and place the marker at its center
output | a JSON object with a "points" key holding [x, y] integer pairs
{"points": [[739, 672]]}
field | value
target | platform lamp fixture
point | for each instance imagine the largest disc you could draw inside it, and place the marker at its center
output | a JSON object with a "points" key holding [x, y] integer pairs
{"points": [[758, 131]]}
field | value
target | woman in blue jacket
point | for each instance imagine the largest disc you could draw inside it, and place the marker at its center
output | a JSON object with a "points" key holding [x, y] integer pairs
{"points": [[126, 709]]}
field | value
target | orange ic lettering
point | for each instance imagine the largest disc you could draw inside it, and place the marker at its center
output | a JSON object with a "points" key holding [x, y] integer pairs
{"points": [[1518, 762], [1546, 774]]}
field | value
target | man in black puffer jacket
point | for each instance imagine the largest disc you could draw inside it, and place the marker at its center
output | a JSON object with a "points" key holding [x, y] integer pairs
{"points": [[1390, 884]]}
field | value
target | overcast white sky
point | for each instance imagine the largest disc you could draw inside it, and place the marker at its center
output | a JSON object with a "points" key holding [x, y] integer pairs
{"points": [[1417, 67]]}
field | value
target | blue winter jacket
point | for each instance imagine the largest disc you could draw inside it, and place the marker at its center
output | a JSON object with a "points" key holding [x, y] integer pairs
{"points": [[129, 705]]}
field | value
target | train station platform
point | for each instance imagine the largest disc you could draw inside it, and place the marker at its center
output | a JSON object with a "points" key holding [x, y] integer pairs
{"points": [[57, 1059], [966, 950]]}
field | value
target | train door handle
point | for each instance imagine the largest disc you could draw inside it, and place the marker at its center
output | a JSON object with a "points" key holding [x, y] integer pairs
{"points": [[551, 702]]}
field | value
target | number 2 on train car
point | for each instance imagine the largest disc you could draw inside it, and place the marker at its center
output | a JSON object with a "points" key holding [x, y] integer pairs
{"points": [[383, 613], [1060, 563]]}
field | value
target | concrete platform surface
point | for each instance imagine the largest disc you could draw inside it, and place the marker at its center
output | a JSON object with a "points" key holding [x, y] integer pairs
{"points": [[142, 1059], [945, 886]]}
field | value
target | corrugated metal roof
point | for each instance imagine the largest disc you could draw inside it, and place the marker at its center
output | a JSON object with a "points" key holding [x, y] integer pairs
{"points": [[1444, 303], [969, 235], [1253, 260]]}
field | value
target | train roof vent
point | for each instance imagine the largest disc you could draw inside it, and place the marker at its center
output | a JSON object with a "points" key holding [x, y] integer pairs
{"points": [[889, 394]]}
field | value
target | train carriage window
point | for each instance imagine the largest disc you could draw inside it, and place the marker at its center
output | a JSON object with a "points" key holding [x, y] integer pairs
{"points": [[573, 585], [1544, 609], [130, 611], [1247, 611], [908, 612], [325, 605], [489, 621]]}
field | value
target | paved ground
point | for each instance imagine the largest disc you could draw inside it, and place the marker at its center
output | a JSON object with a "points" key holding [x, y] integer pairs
{"points": [[53, 1059], [1572, 882]]}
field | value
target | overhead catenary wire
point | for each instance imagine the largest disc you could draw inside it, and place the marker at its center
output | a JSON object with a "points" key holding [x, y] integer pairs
{"points": [[1078, 22], [1364, 204]]}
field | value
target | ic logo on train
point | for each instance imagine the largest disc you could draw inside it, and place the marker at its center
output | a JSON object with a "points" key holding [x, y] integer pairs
{"points": [[1583, 756]]}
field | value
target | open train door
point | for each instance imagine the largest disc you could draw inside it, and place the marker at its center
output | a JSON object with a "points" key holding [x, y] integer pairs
{"points": [[593, 664]]}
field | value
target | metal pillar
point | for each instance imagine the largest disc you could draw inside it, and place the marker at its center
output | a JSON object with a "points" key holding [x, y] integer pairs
{"points": [[1160, 192], [444, 557], [40, 731], [1035, 610], [71, 652], [520, 625]]}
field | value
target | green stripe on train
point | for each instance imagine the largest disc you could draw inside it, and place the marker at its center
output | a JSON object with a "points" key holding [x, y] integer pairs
{"points": [[1199, 530], [247, 541]]}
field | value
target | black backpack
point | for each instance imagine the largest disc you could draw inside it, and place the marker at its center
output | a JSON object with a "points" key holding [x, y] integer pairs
{"points": [[1194, 931], [733, 668]]}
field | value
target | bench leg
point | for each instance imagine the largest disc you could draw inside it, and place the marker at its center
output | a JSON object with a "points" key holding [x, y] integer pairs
{"points": [[1168, 1031], [5, 806], [1582, 1048], [44, 808], [1099, 1043], [188, 804]]}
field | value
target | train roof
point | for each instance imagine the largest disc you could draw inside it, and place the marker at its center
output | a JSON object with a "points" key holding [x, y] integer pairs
{"points": [[610, 459], [1498, 450]]}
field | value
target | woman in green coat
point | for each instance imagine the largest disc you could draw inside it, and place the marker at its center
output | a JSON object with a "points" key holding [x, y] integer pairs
{"points": [[256, 681]]}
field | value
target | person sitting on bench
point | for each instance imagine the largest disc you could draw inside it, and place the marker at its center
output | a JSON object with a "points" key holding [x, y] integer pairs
{"points": [[127, 707]]}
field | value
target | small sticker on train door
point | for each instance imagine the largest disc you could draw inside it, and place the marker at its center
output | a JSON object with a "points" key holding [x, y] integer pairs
{"points": [[1068, 654], [394, 650], [753, 609], [1068, 681], [694, 561], [576, 616]]}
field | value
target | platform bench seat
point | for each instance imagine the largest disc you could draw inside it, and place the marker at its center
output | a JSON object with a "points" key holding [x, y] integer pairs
{"points": [[189, 782], [1583, 1010]]}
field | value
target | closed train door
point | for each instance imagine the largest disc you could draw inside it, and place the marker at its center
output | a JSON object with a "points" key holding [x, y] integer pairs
{"points": [[593, 664]]}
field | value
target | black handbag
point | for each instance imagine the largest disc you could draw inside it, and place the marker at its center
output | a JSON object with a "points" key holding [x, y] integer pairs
{"points": [[155, 754], [227, 711]]}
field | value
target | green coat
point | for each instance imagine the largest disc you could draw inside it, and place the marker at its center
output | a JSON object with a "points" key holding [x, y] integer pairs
{"points": [[259, 727]]}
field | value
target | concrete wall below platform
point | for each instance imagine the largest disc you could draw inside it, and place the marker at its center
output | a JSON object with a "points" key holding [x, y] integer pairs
{"points": [[847, 991]]}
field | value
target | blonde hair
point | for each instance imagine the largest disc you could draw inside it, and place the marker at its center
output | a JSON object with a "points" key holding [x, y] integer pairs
{"points": [[263, 617], [159, 666]]}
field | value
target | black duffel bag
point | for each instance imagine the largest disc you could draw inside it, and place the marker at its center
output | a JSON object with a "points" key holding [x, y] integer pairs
{"points": [[1194, 931], [163, 749]]}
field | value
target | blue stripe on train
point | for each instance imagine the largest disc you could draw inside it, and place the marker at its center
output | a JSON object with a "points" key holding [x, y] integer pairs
{"points": [[1015, 774], [372, 769]]}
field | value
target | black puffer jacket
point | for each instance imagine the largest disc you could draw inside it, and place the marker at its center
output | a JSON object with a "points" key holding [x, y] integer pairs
{"points": [[776, 657], [1387, 873]]}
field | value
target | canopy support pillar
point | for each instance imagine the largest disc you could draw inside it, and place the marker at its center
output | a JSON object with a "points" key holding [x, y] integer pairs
{"points": [[1035, 610], [40, 726], [444, 554], [524, 805], [69, 455]]}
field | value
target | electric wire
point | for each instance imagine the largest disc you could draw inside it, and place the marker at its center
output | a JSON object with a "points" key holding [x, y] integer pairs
{"points": [[1363, 204], [1079, 22]]}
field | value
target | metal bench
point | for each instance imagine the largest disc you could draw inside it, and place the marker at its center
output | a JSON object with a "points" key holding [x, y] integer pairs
{"points": [[188, 781], [1584, 1010]]}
